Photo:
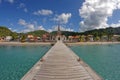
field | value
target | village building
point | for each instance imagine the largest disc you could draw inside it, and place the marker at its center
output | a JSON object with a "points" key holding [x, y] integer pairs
{"points": [[2, 39], [30, 38], [59, 36], [115, 37], [8, 38], [104, 38], [90, 38], [82, 38], [70, 38]]}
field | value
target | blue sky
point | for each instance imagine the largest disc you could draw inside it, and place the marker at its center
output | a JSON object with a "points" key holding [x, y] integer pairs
{"points": [[29, 15]]}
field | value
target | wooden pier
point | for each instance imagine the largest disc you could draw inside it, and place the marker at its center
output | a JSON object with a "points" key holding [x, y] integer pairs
{"points": [[60, 63]]}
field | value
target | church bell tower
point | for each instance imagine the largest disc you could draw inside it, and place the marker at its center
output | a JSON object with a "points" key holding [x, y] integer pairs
{"points": [[59, 33]]}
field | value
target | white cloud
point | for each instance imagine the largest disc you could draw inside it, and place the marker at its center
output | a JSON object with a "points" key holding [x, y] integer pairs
{"points": [[30, 26], [10, 1], [69, 29], [22, 22], [43, 12], [96, 12], [119, 21], [116, 25], [63, 18], [25, 10], [10, 28], [41, 28], [23, 6], [55, 28], [49, 30]]}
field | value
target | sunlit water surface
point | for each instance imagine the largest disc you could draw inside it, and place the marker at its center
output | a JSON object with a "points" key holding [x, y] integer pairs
{"points": [[104, 59], [15, 61]]}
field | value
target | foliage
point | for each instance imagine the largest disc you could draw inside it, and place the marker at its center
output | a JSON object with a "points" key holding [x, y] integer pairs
{"points": [[97, 33], [66, 33], [118, 39], [5, 32], [23, 37], [37, 33], [101, 32]]}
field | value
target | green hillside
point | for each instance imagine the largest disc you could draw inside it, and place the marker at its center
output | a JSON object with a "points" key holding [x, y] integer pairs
{"points": [[5, 32], [107, 31], [96, 32], [66, 33], [37, 33]]}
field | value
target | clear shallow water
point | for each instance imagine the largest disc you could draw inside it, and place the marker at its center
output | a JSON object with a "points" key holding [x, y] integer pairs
{"points": [[15, 61], [104, 59]]}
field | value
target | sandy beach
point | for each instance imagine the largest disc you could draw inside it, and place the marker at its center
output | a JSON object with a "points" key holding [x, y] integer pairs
{"points": [[25, 43], [49, 43], [91, 43]]}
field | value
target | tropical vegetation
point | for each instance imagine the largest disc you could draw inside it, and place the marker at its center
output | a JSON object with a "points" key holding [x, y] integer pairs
{"points": [[97, 33]]}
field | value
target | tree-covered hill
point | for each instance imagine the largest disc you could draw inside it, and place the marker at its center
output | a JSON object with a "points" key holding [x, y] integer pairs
{"points": [[5, 31], [37, 33], [107, 31], [66, 33]]}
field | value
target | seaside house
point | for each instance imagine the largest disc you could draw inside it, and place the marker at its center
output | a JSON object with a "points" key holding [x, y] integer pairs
{"points": [[104, 38], [64, 38], [90, 38], [115, 37], [76, 38], [44, 37], [2, 39], [53, 38], [8, 38], [82, 38], [70, 38], [30, 38]]}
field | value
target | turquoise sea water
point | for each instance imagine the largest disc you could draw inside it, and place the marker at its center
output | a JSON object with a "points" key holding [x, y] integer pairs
{"points": [[15, 61], [104, 59]]}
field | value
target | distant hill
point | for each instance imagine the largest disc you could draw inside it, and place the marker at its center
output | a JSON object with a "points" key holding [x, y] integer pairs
{"points": [[110, 30], [66, 33], [37, 33], [95, 32], [5, 31]]}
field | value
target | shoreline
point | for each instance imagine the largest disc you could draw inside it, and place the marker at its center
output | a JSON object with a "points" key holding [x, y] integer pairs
{"points": [[24, 44], [50, 43], [91, 43]]}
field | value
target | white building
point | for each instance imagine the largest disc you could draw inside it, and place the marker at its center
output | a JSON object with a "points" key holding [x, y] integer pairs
{"points": [[8, 38]]}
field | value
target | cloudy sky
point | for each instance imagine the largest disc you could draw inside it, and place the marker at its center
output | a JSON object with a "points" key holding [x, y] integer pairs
{"points": [[71, 15]]}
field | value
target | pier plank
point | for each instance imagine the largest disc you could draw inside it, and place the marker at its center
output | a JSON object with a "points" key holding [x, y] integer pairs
{"points": [[61, 64]]}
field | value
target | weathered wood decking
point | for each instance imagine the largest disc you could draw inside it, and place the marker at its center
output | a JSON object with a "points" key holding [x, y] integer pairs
{"points": [[60, 63]]}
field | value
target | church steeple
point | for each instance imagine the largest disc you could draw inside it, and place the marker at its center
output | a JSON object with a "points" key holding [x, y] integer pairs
{"points": [[58, 28], [59, 31]]}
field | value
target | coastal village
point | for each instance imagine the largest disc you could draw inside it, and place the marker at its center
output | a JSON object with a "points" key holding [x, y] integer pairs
{"points": [[59, 39], [47, 37]]}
